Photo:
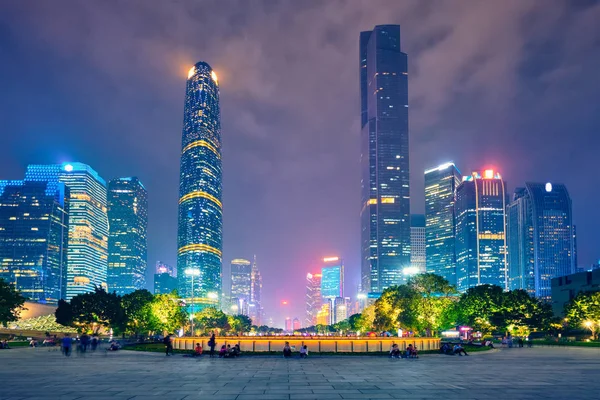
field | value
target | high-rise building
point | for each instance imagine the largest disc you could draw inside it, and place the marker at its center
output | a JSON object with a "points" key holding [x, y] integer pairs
{"points": [[385, 214], [480, 231], [324, 316], [417, 244], [340, 308], [540, 238], [199, 235], [33, 238], [162, 267], [255, 310], [87, 249], [127, 239], [313, 298], [241, 285], [296, 324], [288, 324], [164, 283], [440, 224], [332, 278]]}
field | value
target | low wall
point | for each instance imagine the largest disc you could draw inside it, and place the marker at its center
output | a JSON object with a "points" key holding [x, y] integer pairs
{"points": [[316, 344]]}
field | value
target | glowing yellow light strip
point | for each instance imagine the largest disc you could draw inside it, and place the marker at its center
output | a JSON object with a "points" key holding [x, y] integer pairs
{"points": [[204, 195], [199, 247], [202, 143]]}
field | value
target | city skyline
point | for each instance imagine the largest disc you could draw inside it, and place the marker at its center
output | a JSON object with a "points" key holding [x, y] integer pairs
{"points": [[291, 189]]}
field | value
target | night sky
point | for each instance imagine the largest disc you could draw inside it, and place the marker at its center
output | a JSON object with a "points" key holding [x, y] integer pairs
{"points": [[513, 85]]}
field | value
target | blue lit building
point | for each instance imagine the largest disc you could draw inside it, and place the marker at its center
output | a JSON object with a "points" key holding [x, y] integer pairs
{"points": [[332, 278], [385, 213], [127, 239], [480, 205], [199, 238], [87, 250], [540, 238], [33, 238], [440, 225]]}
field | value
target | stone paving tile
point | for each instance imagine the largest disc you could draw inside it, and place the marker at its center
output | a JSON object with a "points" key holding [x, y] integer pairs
{"points": [[532, 374]]}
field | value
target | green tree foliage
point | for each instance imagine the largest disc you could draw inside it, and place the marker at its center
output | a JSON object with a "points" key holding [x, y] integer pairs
{"points": [[341, 327], [435, 297], [211, 319], [170, 315], [92, 311], [521, 314], [396, 309], [584, 312], [11, 302], [239, 324], [477, 306], [138, 310]]}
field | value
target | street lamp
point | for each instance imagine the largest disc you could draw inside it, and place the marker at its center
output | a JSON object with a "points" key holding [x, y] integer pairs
{"points": [[192, 272]]}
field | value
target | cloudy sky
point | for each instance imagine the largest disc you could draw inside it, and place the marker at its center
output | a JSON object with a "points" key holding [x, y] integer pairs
{"points": [[513, 85]]}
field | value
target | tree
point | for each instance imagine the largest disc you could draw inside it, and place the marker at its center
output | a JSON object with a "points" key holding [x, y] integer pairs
{"points": [[584, 311], [477, 305], [521, 313], [64, 313], [11, 302], [396, 309], [137, 306], [211, 319], [436, 297], [170, 315], [239, 324], [92, 311]]}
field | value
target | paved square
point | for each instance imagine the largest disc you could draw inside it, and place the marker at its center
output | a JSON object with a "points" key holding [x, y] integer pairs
{"points": [[538, 373]]}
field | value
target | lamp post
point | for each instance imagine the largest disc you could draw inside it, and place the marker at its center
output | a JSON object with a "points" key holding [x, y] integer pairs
{"points": [[192, 272]]}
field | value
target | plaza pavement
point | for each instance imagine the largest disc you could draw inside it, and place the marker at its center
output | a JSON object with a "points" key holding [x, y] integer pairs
{"points": [[538, 373]]}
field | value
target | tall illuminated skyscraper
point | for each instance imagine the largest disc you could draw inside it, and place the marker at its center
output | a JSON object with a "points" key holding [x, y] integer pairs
{"points": [[332, 278], [255, 310], [127, 239], [241, 285], [540, 238], [199, 238], [481, 231], [385, 214], [33, 238], [87, 250], [440, 224], [313, 298], [417, 244]]}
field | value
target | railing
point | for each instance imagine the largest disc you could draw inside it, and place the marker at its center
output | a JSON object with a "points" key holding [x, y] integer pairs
{"points": [[314, 344]]}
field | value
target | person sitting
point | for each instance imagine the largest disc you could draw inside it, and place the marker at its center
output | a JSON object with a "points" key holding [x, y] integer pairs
{"points": [[488, 343], [33, 343], [223, 351], [197, 350], [409, 351], [114, 345], [237, 350], [287, 350], [458, 349], [445, 349], [395, 351], [303, 351], [414, 352]]}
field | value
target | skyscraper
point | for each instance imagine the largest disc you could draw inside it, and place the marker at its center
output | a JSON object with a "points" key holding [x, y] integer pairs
{"points": [[255, 310], [385, 214], [332, 278], [241, 285], [540, 237], [296, 324], [440, 226], [480, 231], [87, 250], [164, 278], [313, 298], [33, 238], [417, 243], [162, 267], [127, 239], [199, 235]]}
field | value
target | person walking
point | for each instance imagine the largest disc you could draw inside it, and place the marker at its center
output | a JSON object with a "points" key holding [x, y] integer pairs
{"points": [[212, 343], [67, 343]]}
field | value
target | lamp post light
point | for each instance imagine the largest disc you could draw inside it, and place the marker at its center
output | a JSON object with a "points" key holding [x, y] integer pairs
{"points": [[192, 272]]}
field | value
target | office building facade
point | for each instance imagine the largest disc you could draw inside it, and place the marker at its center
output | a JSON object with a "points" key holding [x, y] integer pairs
{"points": [[127, 238], [385, 213], [440, 223], [332, 278], [241, 285], [313, 298], [200, 209], [34, 234], [540, 238], [255, 310], [164, 283], [87, 250], [417, 245], [480, 231]]}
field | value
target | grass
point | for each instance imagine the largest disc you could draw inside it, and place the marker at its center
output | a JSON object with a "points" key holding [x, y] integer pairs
{"points": [[566, 343]]}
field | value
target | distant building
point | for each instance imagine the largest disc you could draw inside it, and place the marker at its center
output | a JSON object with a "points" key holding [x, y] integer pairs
{"points": [[296, 324], [164, 283], [313, 298], [162, 268], [340, 308], [384, 160], [255, 310], [288, 324], [440, 223], [324, 316], [480, 231], [127, 239], [332, 279], [241, 285], [540, 238], [87, 249], [417, 245], [34, 219], [566, 288]]}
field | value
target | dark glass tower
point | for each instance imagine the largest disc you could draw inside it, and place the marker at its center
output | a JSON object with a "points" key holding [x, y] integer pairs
{"points": [[127, 240], [440, 227], [199, 235], [540, 237], [385, 214], [33, 238], [480, 205]]}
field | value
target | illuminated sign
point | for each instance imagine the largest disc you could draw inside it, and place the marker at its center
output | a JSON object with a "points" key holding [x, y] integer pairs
{"points": [[329, 259]]}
